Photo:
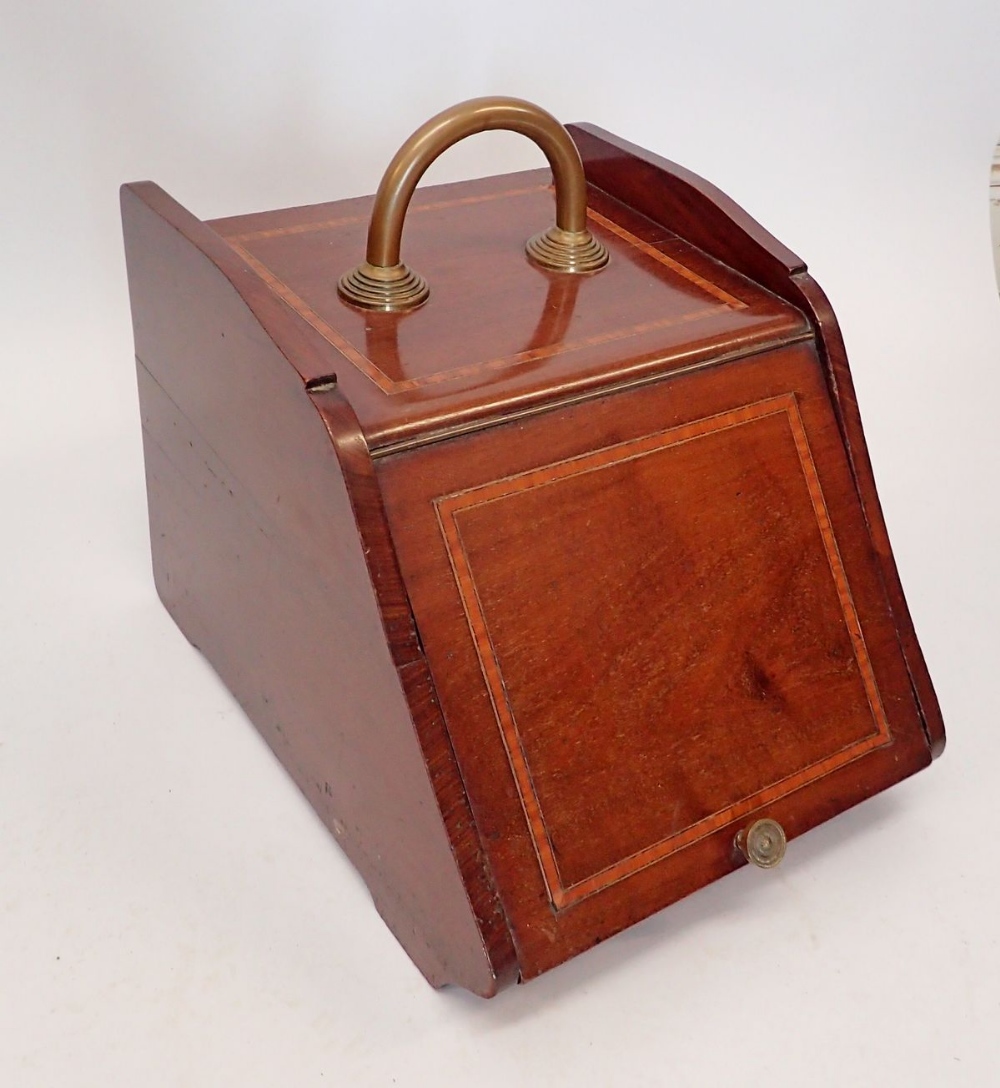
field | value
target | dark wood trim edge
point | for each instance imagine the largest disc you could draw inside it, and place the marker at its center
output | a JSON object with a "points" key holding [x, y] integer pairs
{"points": [[418, 684], [838, 371]]}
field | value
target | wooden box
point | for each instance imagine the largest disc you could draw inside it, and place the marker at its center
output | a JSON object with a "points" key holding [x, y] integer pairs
{"points": [[548, 590]]}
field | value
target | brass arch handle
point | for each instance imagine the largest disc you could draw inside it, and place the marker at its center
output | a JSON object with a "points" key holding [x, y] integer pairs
{"points": [[383, 282]]}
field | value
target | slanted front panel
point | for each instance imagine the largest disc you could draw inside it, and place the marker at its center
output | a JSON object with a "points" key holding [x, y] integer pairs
{"points": [[630, 734], [649, 617]]}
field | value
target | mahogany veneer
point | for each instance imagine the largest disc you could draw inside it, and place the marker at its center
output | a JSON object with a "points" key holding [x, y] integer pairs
{"points": [[543, 591]]}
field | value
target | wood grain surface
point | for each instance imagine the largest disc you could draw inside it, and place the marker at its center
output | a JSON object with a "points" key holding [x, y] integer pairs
{"points": [[259, 557], [659, 613], [543, 591], [680, 200], [499, 334]]}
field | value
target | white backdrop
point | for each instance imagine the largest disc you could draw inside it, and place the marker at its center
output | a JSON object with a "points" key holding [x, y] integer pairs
{"points": [[171, 912]]}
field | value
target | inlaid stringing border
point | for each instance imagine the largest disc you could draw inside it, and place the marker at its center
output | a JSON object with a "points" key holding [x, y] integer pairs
{"points": [[390, 386], [448, 509]]}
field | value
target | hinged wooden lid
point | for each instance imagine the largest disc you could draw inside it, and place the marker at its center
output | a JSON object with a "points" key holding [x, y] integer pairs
{"points": [[500, 335]]}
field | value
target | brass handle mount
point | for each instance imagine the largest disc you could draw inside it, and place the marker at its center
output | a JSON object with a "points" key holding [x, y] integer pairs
{"points": [[383, 282]]}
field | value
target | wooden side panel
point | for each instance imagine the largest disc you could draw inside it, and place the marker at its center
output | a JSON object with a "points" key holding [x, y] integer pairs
{"points": [[695, 209], [258, 555]]}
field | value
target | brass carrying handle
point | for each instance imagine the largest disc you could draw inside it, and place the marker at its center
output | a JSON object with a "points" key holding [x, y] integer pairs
{"points": [[383, 282]]}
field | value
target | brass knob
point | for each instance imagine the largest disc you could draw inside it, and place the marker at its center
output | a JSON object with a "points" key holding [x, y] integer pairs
{"points": [[762, 843], [383, 282]]}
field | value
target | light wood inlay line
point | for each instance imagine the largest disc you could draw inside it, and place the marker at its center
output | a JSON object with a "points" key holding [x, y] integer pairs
{"points": [[836, 563], [416, 208], [327, 331], [449, 509], [682, 270], [392, 387]]}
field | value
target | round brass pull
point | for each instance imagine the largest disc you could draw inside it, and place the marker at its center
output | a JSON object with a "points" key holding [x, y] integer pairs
{"points": [[762, 843], [383, 282]]}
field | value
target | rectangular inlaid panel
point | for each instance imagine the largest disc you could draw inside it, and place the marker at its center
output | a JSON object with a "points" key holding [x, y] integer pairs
{"points": [[651, 617], [496, 326], [611, 710], [400, 356]]}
